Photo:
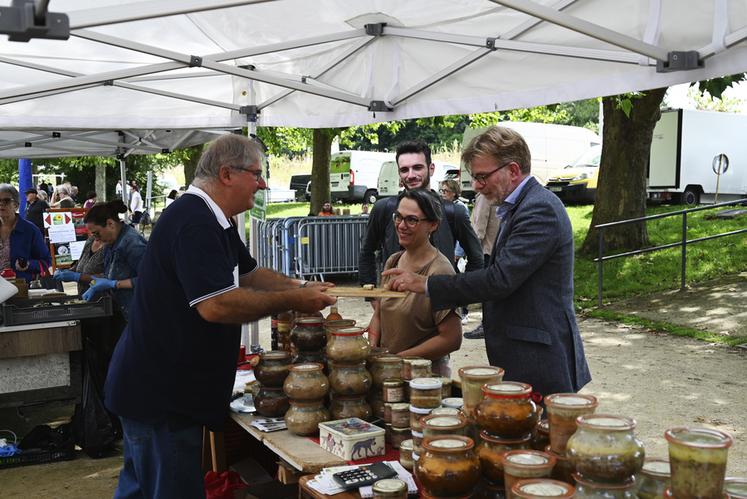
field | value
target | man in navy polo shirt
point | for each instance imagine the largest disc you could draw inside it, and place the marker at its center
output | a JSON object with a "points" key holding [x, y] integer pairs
{"points": [[173, 369]]}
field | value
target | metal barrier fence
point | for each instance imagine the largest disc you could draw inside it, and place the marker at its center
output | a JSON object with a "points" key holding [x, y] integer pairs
{"points": [[311, 246]]}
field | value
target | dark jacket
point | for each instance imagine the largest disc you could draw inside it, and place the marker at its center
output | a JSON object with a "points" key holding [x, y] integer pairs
{"points": [[381, 235], [527, 294], [121, 261], [26, 241], [35, 213]]}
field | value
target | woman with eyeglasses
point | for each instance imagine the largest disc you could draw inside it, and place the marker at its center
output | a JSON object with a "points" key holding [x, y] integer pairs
{"points": [[409, 326], [22, 247]]}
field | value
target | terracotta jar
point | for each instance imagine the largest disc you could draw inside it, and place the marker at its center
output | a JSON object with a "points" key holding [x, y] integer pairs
{"points": [[563, 470], [541, 436], [542, 488], [491, 449], [349, 378], [605, 449], [273, 368], [348, 345], [522, 464], [306, 382], [308, 335], [735, 488], [390, 488], [350, 407], [448, 466], [562, 411], [697, 458], [304, 416], [473, 378], [653, 479], [435, 426], [588, 489], [507, 409], [271, 402], [385, 366]]}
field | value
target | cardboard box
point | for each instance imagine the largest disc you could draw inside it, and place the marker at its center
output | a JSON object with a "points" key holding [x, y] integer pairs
{"points": [[351, 438]]}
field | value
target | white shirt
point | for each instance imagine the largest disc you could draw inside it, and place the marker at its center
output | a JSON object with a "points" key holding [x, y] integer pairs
{"points": [[136, 201]]}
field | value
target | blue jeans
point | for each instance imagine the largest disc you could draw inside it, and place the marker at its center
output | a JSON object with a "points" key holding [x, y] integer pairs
{"points": [[161, 461]]}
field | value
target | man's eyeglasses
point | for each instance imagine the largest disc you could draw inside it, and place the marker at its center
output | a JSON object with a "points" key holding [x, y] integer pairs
{"points": [[257, 173], [6, 201], [410, 220], [482, 178]]}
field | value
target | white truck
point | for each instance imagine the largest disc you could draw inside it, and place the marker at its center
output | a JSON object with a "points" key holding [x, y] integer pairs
{"points": [[552, 148], [353, 175], [688, 147]]}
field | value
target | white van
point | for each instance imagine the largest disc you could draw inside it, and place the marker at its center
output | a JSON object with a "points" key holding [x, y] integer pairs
{"points": [[353, 175], [388, 184], [552, 148]]}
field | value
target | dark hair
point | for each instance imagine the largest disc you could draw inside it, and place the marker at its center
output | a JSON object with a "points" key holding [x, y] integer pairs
{"points": [[172, 194], [91, 195], [101, 212], [427, 201], [416, 147]]}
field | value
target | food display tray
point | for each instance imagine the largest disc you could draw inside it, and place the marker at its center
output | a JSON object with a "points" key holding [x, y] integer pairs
{"points": [[22, 312]]}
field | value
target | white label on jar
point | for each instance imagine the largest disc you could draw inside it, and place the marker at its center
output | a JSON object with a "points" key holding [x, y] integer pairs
{"points": [[543, 489], [661, 467], [394, 394], [481, 371], [448, 443], [506, 387], [571, 400], [607, 422], [529, 459], [443, 421]]}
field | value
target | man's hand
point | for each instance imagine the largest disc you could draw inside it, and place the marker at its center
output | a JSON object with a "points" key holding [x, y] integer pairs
{"points": [[321, 285], [312, 299], [402, 280]]}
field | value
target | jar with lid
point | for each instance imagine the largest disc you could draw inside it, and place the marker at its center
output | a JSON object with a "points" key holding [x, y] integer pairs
{"points": [[417, 441], [541, 436], [416, 413], [405, 454], [385, 366], [507, 409], [284, 324], [697, 459], [304, 416], [306, 382], [562, 411], [490, 450], [473, 377], [735, 488], [425, 392], [308, 335], [399, 435], [435, 426], [445, 387], [542, 488], [455, 402], [393, 390], [375, 352], [653, 479], [349, 378], [563, 470], [329, 325], [387, 412], [354, 406], [271, 402], [605, 449], [415, 367], [589, 489], [377, 404], [348, 345], [390, 488], [273, 368], [316, 357], [448, 466], [401, 415], [447, 411], [522, 464]]}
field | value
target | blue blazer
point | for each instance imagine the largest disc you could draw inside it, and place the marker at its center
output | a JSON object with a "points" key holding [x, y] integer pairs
{"points": [[527, 294], [26, 241]]}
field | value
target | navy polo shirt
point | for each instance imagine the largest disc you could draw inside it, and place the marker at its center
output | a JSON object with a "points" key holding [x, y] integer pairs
{"points": [[170, 364]]}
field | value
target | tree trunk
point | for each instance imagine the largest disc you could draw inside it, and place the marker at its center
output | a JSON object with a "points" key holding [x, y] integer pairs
{"points": [[100, 182], [322, 146], [621, 189], [191, 158]]}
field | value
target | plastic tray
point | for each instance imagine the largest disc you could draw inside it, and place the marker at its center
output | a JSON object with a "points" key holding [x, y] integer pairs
{"points": [[37, 457], [36, 311]]}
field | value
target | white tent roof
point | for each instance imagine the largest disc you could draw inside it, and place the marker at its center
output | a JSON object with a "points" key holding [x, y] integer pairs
{"points": [[316, 64]]}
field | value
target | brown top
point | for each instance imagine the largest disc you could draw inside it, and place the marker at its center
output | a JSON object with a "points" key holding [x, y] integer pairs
{"points": [[409, 321]]}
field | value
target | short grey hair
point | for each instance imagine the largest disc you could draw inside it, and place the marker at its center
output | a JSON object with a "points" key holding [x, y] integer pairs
{"points": [[9, 189], [62, 190], [228, 150]]}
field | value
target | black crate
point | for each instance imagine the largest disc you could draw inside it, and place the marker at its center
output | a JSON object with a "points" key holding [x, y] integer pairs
{"points": [[37, 457], [35, 312]]}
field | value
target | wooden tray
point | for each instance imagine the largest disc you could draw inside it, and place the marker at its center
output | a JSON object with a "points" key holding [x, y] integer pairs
{"points": [[356, 292]]}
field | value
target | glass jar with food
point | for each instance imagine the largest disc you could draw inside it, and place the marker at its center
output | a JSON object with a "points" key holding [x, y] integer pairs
{"points": [[446, 411], [399, 435], [416, 413], [376, 352], [354, 406], [653, 479], [273, 368], [415, 367], [455, 402], [271, 402], [697, 459], [348, 345], [316, 357], [563, 470], [562, 411], [445, 387], [425, 392], [376, 403], [542, 488], [329, 325], [390, 488], [405, 454], [589, 489], [435, 426], [306, 382], [473, 377], [735, 488], [401, 415], [541, 436], [385, 366], [522, 464], [304, 416], [393, 390], [491, 449], [349, 378], [507, 409], [308, 335], [417, 441], [448, 466], [605, 449]]}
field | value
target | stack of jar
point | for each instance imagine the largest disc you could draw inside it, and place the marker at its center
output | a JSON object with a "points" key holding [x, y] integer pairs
{"points": [[280, 328], [309, 340], [562, 411], [383, 367], [414, 367], [697, 458], [271, 371], [425, 396], [350, 382], [306, 386]]}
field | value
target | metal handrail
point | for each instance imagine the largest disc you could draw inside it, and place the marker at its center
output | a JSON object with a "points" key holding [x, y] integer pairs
{"points": [[683, 243]]}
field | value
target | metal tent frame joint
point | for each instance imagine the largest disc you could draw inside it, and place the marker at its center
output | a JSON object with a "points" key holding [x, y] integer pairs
{"points": [[195, 61], [251, 112], [375, 29], [23, 21], [490, 43], [379, 106], [680, 61]]}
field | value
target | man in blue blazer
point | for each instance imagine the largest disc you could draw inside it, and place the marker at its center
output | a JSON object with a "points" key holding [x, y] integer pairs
{"points": [[527, 288]]}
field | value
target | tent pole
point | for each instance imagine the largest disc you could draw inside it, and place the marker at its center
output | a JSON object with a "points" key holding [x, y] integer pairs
{"points": [[250, 332], [123, 178], [24, 183]]}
